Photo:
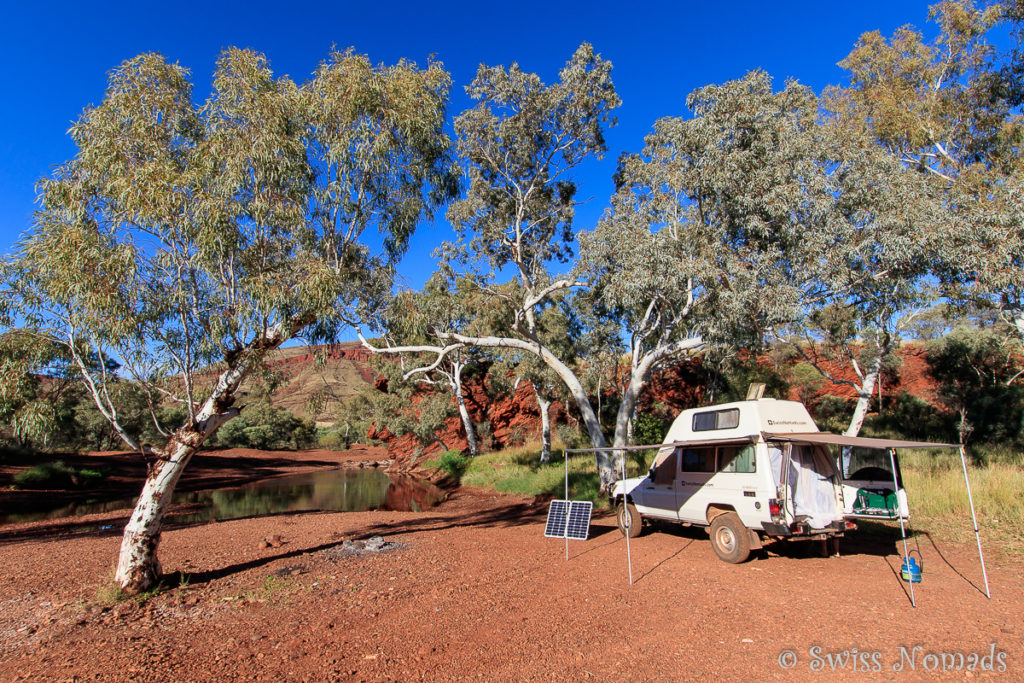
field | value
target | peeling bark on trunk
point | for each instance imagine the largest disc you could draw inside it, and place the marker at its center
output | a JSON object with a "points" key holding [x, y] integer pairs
{"points": [[138, 567], [864, 395], [545, 421]]}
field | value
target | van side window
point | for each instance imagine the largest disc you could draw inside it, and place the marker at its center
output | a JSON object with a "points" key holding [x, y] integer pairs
{"points": [[698, 460], [738, 459], [665, 473], [716, 419]]}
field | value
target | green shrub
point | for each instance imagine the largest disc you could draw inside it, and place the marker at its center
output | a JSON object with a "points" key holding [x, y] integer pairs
{"points": [[518, 470], [268, 428], [484, 436], [911, 417], [332, 441], [832, 413], [649, 429], [55, 475], [453, 462], [571, 437]]}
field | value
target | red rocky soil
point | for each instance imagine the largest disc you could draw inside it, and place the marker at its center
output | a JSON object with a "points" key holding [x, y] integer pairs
{"points": [[472, 590]]}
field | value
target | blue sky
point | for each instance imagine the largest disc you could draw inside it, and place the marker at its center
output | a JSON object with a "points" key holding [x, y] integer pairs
{"points": [[54, 58]]}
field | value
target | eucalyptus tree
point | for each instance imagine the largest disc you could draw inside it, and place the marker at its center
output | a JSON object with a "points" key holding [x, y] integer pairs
{"points": [[184, 237], [557, 330], [887, 222], [410, 321], [33, 387], [521, 143], [720, 228], [945, 108]]}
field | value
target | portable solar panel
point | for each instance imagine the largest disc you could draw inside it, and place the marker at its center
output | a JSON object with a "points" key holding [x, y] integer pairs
{"points": [[569, 519]]}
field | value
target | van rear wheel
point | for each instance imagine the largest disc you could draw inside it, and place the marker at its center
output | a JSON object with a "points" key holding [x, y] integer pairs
{"points": [[629, 520], [730, 539]]}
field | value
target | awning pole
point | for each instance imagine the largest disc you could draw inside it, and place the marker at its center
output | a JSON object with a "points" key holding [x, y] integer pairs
{"points": [[974, 518], [566, 457], [626, 514], [903, 530]]}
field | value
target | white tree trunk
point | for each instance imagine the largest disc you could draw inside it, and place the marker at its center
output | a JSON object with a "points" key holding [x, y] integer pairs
{"points": [[545, 422], [138, 567], [563, 371], [864, 394], [467, 424], [1017, 317], [637, 380]]}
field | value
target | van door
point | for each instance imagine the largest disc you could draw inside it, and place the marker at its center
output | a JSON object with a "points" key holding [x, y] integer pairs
{"points": [[656, 495], [737, 484], [694, 486]]}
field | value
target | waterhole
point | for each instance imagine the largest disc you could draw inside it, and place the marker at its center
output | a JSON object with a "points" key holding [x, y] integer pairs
{"points": [[326, 490]]}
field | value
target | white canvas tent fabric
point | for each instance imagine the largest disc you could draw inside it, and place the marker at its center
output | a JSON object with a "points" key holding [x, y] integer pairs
{"points": [[811, 480]]}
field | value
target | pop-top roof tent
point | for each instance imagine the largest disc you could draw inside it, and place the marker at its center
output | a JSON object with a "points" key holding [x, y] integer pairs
{"points": [[857, 441]]}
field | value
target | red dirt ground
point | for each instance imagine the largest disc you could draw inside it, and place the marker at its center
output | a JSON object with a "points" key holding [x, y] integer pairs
{"points": [[475, 591]]}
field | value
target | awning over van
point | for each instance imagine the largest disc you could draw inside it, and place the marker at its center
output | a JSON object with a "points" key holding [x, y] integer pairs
{"points": [[861, 441]]}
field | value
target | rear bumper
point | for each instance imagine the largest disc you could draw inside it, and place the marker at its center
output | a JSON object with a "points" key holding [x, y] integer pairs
{"points": [[804, 530]]}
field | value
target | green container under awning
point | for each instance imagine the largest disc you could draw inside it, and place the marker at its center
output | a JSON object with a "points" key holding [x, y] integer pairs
{"points": [[878, 502]]}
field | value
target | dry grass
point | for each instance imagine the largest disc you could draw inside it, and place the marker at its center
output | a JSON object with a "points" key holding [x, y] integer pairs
{"points": [[939, 502]]}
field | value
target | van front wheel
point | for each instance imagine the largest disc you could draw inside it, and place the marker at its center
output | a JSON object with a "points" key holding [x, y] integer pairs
{"points": [[730, 539], [629, 520]]}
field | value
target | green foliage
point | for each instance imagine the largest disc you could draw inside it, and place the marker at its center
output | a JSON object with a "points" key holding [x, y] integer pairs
{"points": [[267, 427], [182, 234], [454, 463], [518, 470], [731, 377], [832, 413], [403, 407], [973, 368], [807, 381], [56, 475], [35, 392], [332, 440], [649, 429], [911, 417], [572, 437], [524, 134]]}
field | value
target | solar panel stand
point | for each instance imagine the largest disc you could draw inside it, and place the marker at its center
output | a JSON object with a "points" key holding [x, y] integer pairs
{"points": [[565, 456]]}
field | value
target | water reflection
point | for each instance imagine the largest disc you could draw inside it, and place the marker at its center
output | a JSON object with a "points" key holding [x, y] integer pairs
{"points": [[331, 490]]}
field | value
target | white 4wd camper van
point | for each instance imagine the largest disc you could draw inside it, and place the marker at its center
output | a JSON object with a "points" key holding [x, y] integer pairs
{"points": [[744, 470]]}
